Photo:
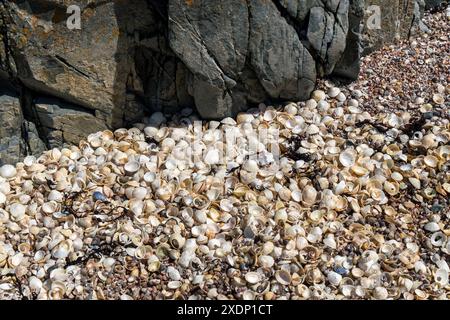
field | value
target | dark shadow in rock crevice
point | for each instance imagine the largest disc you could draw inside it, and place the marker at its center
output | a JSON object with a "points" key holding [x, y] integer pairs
{"points": [[149, 77]]}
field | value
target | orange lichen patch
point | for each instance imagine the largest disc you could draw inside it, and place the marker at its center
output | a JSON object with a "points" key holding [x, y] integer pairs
{"points": [[88, 13]]}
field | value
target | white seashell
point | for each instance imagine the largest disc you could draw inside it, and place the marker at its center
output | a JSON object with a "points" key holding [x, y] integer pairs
{"points": [[250, 166], [58, 274], [62, 250], [131, 167], [438, 98], [177, 241], [2, 198], [347, 290], [50, 207], [29, 160], [136, 206], [312, 130], [334, 278], [283, 277], [174, 284], [252, 277], [309, 195], [420, 267], [139, 193], [35, 284], [333, 92], [212, 157], [397, 176], [330, 242], [347, 158], [244, 118], [291, 109], [248, 295], [55, 195], [149, 177], [432, 227], [353, 103], [318, 95], [415, 182], [17, 259], [8, 171], [173, 273], [266, 261], [269, 115], [108, 263], [380, 293], [431, 161], [441, 277], [323, 106], [17, 211], [311, 104], [438, 239], [341, 97]]}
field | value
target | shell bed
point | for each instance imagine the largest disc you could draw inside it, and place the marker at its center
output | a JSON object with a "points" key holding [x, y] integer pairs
{"points": [[355, 205]]}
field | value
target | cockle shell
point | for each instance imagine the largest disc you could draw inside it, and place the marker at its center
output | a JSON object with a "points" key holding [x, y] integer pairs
{"points": [[283, 277], [334, 278], [17, 211], [431, 161], [252, 277], [441, 276], [50, 207], [318, 95], [347, 158], [131, 167], [7, 171], [309, 195], [333, 92]]}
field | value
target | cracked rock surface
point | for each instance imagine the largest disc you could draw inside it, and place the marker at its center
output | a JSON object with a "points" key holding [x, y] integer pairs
{"points": [[131, 58]]}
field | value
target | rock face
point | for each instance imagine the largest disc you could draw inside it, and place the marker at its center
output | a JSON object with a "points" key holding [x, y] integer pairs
{"points": [[133, 57], [18, 136]]}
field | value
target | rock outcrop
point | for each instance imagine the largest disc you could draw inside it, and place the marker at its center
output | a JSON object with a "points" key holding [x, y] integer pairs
{"points": [[133, 57]]}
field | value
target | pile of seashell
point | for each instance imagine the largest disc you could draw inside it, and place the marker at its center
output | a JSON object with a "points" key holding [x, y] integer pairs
{"points": [[339, 205]]}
